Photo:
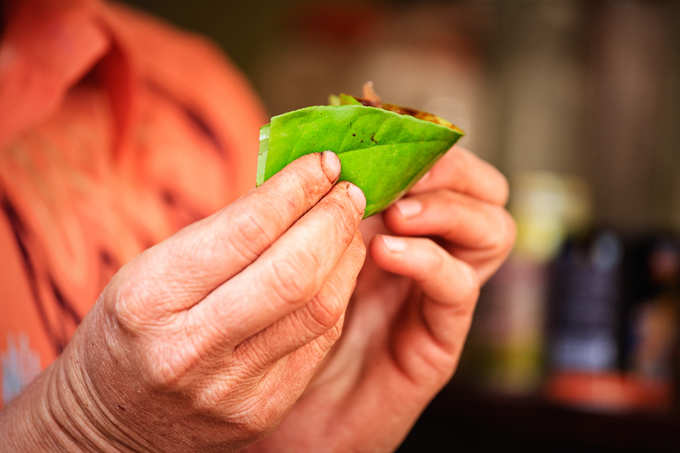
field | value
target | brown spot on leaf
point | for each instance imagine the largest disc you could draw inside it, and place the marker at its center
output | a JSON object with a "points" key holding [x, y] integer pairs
{"points": [[426, 116]]}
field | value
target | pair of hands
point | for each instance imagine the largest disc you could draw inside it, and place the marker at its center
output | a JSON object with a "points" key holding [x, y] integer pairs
{"points": [[237, 332]]}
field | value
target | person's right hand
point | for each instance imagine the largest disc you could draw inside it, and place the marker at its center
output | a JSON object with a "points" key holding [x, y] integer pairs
{"points": [[204, 341]]}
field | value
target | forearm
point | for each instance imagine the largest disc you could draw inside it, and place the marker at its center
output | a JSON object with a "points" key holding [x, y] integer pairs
{"points": [[30, 422], [54, 413]]}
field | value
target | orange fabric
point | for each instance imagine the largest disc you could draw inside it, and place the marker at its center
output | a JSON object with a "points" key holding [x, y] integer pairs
{"points": [[115, 131]]}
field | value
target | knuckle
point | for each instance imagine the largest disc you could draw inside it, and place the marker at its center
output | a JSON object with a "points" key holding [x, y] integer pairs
{"points": [[137, 309], [259, 420], [208, 400], [320, 346], [124, 300], [509, 231], [324, 311], [256, 354], [451, 200], [161, 375], [450, 197], [292, 276], [152, 343], [440, 360], [343, 215], [469, 289], [504, 231], [167, 363], [460, 169], [333, 334], [504, 189], [250, 235], [435, 262]]}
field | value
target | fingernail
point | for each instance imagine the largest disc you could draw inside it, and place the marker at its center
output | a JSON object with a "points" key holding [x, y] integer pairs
{"points": [[357, 197], [394, 244], [409, 207], [330, 165]]}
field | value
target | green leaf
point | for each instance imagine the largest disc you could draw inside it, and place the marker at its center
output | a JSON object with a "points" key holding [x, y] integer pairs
{"points": [[342, 99], [346, 99], [381, 151]]}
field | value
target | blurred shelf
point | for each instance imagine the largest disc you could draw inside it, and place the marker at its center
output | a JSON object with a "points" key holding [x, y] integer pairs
{"points": [[461, 418]]}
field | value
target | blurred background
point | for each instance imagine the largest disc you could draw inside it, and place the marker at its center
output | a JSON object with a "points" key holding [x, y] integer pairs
{"points": [[575, 344]]}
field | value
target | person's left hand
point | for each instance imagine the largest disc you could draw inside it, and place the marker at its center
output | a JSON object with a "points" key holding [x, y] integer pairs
{"points": [[410, 313]]}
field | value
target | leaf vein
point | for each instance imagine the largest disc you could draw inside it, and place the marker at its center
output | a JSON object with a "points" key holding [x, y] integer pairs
{"points": [[416, 142]]}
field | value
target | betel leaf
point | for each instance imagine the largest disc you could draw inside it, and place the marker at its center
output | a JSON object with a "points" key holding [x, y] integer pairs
{"points": [[384, 152]]}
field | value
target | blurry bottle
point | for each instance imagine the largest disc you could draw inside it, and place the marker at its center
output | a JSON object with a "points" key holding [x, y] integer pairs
{"points": [[614, 323], [584, 303], [505, 349], [653, 317], [583, 327]]}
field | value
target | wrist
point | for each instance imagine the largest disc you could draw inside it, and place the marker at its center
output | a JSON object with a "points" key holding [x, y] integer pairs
{"points": [[22, 426], [76, 408], [60, 411], [69, 410], [52, 414], [38, 419]]}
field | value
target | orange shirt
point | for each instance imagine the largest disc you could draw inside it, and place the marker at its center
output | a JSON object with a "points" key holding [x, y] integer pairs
{"points": [[115, 131]]}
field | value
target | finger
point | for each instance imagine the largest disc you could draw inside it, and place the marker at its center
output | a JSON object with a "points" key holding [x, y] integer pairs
{"points": [[459, 219], [461, 171], [478, 233], [186, 267], [320, 317], [289, 273], [430, 338], [297, 369]]}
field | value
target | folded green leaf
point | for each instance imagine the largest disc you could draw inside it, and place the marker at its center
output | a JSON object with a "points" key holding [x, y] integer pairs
{"points": [[384, 150]]}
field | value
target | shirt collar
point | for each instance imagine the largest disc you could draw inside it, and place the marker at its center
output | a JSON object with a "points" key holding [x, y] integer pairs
{"points": [[47, 47]]}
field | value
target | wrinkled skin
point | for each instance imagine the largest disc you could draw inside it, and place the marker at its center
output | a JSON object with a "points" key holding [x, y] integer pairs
{"points": [[205, 340], [409, 315], [236, 333]]}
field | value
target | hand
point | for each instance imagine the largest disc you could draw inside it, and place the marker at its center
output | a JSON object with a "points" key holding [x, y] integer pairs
{"points": [[204, 341], [410, 314]]}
